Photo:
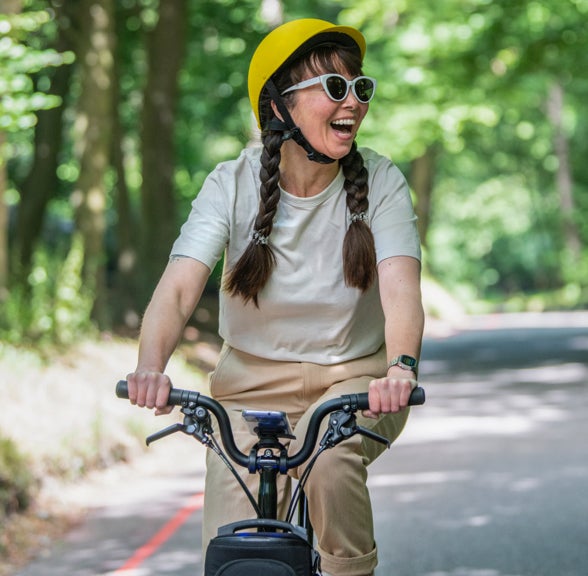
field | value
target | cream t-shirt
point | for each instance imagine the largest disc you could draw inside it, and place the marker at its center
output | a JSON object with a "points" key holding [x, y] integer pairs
{"points": [[306, 312]]}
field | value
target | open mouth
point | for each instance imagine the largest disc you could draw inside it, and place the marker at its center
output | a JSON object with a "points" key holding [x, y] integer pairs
{"points": [[345, 125]]}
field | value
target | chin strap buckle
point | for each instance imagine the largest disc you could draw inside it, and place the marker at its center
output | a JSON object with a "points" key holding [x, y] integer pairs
{"points": [[291, 131]]}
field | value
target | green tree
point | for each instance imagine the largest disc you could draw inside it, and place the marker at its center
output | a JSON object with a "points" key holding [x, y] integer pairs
{"points": [[480, 103], [463, 105], [166, 45], [92, 129], [19, 99], [41, 182]]}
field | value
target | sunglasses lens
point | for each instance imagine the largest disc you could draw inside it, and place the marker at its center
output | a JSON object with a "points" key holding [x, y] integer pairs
{"points": [[364, 89], [337, 87]]}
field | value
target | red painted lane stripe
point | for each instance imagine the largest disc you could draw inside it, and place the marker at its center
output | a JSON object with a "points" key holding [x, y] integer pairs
{"points": [[149, 548]]}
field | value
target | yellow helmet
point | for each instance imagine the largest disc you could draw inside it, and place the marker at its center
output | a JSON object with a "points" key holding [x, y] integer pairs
{"points": [[282, 43]]}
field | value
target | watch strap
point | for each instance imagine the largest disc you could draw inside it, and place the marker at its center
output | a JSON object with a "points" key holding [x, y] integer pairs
{"points": [[405, 362]]}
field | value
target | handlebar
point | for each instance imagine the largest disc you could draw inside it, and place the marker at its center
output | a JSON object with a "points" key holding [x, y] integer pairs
{"points": [[179, 397]]}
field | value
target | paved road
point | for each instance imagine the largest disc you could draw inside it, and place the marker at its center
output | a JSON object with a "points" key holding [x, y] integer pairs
{"points": [[490, 478]]}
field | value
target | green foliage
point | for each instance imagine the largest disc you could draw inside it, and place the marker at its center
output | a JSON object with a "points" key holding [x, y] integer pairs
{"points": [[19, 98], [72, 300], [502, 247], [54, 307], [470, 78], [16, 481]]}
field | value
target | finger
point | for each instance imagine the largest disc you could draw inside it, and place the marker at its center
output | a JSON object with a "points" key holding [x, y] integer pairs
{"points": [[132, 388], [389, 395], [374, 398], [162, 396], [407, 386], [142, 382], [163, 411], [151, 392]]}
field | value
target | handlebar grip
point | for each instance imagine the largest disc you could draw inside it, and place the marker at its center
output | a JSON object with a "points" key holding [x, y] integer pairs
{"points": [[122, 390], [177, 397], [417, 397]]}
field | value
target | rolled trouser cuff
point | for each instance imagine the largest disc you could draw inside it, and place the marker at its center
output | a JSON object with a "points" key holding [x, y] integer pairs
{"points": [[356, 566]]}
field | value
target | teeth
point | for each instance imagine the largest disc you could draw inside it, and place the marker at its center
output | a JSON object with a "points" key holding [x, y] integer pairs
{"points": [[347, 122]]}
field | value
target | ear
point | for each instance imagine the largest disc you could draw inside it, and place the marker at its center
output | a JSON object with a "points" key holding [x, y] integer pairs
{"points": [[275, 111]]}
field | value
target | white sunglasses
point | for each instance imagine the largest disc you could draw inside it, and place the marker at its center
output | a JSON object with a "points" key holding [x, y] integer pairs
{"points": [[337, 87]]}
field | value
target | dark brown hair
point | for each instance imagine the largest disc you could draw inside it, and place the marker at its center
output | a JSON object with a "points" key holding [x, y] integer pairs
{"points": [[253, 269]]}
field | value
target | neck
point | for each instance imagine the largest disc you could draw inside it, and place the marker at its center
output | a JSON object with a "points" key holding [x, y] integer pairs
{"points": [[302, 177]]}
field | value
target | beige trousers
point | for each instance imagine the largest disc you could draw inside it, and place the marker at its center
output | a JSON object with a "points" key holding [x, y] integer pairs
{"points": [[339, 502]]}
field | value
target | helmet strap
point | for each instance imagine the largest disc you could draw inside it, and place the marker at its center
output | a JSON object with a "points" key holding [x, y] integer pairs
{"points": [[291, 131]]}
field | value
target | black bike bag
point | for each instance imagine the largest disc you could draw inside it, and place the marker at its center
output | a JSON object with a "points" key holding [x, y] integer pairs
{"points": [[279, 549]]}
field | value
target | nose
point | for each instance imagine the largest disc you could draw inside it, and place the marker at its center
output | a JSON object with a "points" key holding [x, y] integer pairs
{"points": [[350, 100]]}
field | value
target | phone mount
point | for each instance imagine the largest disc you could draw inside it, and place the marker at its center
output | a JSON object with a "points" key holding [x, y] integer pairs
{"points": [[274, 455]]}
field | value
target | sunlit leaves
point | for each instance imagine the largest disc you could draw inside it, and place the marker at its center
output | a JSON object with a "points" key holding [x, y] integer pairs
{"points": [[473, 77], [467, 77], [143, 14], [18, 97]]}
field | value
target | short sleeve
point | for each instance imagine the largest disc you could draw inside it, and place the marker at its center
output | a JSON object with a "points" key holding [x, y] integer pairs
{"points": [[391, 213], [205, 233]]}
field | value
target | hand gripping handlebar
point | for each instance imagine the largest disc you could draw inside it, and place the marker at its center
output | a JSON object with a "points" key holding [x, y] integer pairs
{"points": [[355, 402]]}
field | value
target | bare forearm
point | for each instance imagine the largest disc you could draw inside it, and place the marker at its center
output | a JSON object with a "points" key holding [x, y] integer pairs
{"points": [[170, 308], [402, 304], [399, 282], [161, 330], [173, 302], [404, 328]]}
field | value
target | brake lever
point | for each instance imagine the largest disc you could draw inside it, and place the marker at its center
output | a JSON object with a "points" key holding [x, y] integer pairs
{"points": [[373, 435], [177, 427], [197, 423], [343, 425]]}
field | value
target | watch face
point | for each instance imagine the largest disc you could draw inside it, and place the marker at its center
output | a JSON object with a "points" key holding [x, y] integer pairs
{"points": [[408, 360]]}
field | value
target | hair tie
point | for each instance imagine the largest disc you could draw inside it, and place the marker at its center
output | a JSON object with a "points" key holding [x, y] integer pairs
{"points": [[359, 217], [259, 238]]}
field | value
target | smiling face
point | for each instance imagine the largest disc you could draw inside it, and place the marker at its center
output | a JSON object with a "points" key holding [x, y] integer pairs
{"points": [[329, 126]]}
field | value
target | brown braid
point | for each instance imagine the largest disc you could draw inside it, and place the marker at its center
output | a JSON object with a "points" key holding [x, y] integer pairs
{"points": [[253, 269], [359, 251]]}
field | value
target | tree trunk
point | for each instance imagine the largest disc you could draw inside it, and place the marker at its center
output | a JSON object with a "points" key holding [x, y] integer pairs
{"points": [[41, 183], [165, 49], [422, 174], [564, 180], [3, 225], [124, 305], [8, 7], [93, 142]]}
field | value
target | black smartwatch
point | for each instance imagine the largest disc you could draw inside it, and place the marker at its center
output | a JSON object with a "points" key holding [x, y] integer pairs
{"points": [[405, 362]]}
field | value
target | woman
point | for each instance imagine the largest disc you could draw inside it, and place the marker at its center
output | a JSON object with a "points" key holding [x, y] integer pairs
{"points": [[321, 290]]}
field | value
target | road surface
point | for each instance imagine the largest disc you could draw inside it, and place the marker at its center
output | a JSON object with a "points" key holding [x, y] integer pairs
{"points": [[490, 477]]}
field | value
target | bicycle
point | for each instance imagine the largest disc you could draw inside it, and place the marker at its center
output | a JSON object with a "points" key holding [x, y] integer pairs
{"points": [[274, 547]]}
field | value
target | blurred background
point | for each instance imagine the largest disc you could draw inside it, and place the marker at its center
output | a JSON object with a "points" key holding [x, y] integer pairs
{"points": [[112, 113]]}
